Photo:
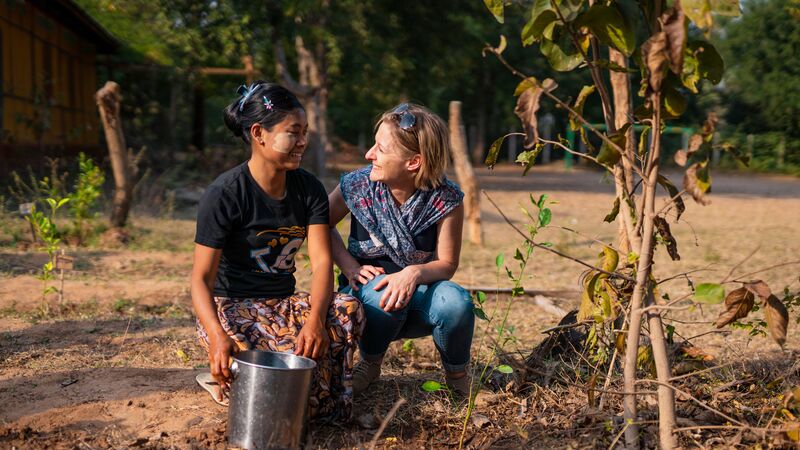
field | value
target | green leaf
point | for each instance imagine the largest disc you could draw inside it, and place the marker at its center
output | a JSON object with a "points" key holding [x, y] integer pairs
{"points": [[643, 140], [504, 368], [709, 293], [480, 313], [701, 61], [673, 192], [534, 29], [569, 8], [524, 85], [540, 202], [61, 202], [544, 217], [608, 25], [610, 259], [674, 101], [494, 151], [528, 157], [432, 386], [496, 8], [558, 59], [408, 345], [517, 291], [699, 11], [498, 260], [480, 296], [614, 211], [608, 154], [586, 91]]}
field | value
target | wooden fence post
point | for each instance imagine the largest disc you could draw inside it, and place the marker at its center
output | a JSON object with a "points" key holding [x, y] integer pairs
{"points": [[108, 102], [465, 174]]}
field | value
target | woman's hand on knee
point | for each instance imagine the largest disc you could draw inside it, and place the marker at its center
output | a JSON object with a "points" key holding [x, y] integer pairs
{"points": [[362, 275], [312, 341], [398, 288]]}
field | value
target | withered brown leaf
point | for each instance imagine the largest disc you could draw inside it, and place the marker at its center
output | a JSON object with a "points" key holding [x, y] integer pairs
{"points": [[673, 22], [663, 230], [527, 105], [777, 319], [738, 304], [654, 52]]}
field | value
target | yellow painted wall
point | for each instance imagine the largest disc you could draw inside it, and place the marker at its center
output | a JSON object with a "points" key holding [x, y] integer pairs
{"points": [[61, 102]]}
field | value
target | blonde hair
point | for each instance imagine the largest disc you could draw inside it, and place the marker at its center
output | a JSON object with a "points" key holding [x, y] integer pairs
{"points": [[429, 137]]}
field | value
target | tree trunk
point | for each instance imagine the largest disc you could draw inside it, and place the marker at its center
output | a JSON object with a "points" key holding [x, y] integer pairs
{"points": [[465, 174], [643, 296], [628, 236], [198, 117], [312, 90], [108, 102]]}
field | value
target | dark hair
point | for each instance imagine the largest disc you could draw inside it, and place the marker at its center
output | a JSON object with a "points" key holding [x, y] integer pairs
{"points": [[239, 117]]}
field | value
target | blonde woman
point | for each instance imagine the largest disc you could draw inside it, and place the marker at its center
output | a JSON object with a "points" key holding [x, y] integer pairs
{"points": [[404, 245]]}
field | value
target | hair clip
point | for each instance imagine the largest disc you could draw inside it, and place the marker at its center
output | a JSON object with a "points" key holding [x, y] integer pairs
{"points": [[245, 92], [267, 103]]}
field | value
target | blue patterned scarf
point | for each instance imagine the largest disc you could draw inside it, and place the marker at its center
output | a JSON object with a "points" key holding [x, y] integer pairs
{"points": [[391, 227]]}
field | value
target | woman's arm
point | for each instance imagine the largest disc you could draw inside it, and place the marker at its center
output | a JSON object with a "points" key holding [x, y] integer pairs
{"points": [[312, 341], [355, 272], [400, 286], [221, 346]]}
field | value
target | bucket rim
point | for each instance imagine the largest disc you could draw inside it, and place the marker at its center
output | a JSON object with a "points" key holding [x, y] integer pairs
{"points": [[287, 369]]}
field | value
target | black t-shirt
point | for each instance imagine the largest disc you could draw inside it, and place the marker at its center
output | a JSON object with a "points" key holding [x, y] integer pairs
{"points": [[258, 235], [426, 241]]}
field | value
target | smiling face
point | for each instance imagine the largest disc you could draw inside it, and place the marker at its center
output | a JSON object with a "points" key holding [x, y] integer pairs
{"points": [[390, 163], [285, 143]]}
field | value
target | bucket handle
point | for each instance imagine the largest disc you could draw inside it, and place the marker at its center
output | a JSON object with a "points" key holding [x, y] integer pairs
{"points": [[233, 366]]}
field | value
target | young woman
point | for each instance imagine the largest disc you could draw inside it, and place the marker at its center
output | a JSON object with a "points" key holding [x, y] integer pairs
{"points": [[404, 245], [250, 223]]}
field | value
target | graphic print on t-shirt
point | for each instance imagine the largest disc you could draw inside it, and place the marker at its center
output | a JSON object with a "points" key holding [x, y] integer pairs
{"points": [[281, 246]]}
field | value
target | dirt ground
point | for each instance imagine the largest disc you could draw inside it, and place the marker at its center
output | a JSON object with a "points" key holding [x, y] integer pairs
{"points": [[114, 366]]}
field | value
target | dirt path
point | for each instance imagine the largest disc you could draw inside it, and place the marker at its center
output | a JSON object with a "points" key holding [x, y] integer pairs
{"points": [[114, 367]]}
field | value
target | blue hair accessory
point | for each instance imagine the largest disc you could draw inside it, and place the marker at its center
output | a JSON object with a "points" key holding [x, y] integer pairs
{"points": [[267, 103], [245, 92]]}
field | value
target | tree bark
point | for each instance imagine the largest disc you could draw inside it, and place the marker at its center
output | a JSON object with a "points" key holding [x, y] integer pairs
{"points": [[465, 174], [628, 236], [643, 297], [311, 87], [108, 100]]}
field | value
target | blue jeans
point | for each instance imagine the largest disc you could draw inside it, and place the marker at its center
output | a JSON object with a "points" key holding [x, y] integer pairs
{"points": [[442, 309]]}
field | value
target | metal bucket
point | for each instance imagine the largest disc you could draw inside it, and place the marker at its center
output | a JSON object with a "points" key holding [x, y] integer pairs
{"points": [[268, 400]]}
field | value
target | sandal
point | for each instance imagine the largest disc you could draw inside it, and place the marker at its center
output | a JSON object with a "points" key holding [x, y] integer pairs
{"points": [[207, 382]]}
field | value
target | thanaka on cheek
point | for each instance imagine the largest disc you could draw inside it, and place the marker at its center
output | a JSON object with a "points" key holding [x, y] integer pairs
{"points": [[283, 143]]}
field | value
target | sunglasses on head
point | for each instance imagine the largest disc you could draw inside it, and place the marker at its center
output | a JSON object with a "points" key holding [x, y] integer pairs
{"points": [[406, 120]]}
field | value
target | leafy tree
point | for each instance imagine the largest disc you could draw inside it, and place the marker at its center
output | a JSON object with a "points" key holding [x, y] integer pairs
{"points": [[763, 74]]}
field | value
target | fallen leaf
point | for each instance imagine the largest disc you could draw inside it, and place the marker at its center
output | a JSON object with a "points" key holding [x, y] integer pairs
{"points": [[480, 421]]}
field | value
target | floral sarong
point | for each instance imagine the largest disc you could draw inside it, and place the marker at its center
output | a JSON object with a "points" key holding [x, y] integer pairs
{"points": [[273, 324]]}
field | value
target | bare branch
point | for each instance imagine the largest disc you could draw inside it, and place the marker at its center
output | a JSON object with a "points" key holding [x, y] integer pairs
{"points": [[537, 245], [747, 275]]}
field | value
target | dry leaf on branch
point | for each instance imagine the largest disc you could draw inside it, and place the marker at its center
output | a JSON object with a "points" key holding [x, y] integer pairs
{"points": [[777, 319], [738, 304]]}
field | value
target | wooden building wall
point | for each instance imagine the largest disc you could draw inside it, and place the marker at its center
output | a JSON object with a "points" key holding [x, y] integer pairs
{"points": [[48, 83]]}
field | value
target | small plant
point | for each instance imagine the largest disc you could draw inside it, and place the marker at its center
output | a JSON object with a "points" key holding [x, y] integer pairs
{"points": [[83, 200], [45, 228]]}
